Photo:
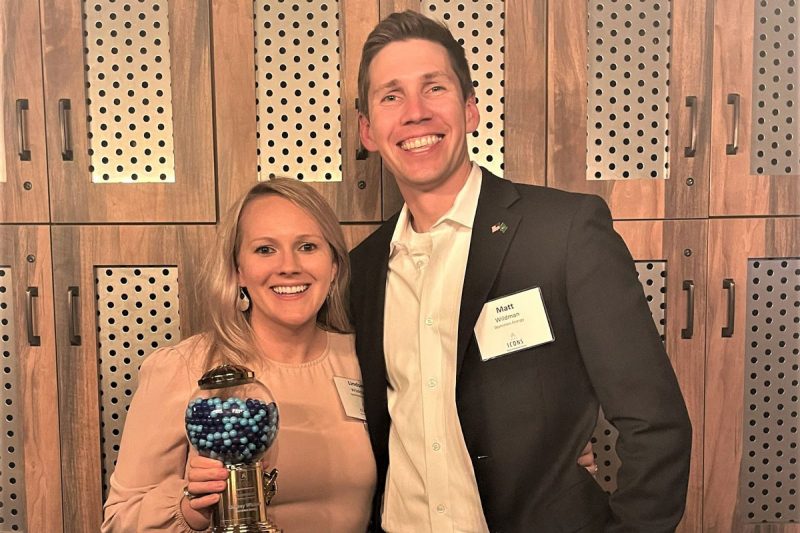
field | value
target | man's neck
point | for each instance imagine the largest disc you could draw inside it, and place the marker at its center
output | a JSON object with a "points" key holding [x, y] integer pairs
{"points": [[426, 207]]}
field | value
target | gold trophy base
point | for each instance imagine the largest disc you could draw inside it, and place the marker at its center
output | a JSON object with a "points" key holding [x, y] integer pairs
{"points": [[242, 507]]}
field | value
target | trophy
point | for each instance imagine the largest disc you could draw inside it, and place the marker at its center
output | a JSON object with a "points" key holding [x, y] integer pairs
{"points": [[233, 418]]}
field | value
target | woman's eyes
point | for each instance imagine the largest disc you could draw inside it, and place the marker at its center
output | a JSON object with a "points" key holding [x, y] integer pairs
{"points": [[303, 247]]}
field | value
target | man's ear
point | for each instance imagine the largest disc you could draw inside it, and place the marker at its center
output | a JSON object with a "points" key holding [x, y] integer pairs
{"points": [[364, 131], [472, 116]]}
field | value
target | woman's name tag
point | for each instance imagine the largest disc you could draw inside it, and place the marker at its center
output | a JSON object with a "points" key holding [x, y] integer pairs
{"points": [[351, 394], [512, 323]]}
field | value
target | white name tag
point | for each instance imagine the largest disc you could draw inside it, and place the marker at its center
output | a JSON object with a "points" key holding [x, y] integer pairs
{"points": [[351, 394], [512, 323]]}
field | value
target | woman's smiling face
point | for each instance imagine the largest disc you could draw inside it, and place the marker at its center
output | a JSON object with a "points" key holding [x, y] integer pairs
{"points": [[284, 262]]}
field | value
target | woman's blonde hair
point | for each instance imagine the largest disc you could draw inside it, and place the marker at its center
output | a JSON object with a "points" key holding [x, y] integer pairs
{"points": [[227, 328]]}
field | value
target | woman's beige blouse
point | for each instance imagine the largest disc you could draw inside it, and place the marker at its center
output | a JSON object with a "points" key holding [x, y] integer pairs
{"points": [[326, 469]]}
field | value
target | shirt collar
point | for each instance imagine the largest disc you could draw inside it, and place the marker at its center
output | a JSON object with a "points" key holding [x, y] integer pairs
{"points": [[461, 212]]}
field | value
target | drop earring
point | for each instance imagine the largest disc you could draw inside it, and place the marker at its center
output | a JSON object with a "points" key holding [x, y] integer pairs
{"points": [[244, 300]]}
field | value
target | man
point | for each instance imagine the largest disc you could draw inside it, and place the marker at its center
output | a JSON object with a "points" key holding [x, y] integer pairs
{"points": [[492, 319]]}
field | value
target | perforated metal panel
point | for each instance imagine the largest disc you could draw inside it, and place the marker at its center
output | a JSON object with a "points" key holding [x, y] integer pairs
{"points": [[479, 25], [628, 89], [653, 277], [770, 470], [298, 89], [129, 98], [776, 78], [137, 312], [12, 462]]}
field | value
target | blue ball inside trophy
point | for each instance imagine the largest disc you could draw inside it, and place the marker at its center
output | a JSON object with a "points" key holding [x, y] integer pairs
{"points": [[232, 417]]}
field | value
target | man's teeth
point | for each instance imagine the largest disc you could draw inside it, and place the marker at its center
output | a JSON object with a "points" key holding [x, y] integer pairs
{"points": [[294, 289], [420, 142]]}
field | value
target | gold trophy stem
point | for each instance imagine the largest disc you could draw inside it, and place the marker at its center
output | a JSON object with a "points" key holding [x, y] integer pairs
{"points": [[243, 505]]}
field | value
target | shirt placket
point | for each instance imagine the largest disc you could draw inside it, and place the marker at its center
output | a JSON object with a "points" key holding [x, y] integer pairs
{"points": [[431, 355]]}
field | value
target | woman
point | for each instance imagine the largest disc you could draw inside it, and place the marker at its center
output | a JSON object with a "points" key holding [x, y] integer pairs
{"points": [[275, 288]]}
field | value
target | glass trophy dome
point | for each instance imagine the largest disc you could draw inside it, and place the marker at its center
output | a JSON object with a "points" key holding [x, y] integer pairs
{"points": [[232, 416]]}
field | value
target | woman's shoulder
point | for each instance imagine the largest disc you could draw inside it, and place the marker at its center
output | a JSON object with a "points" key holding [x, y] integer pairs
{"points": [[342, 352], [190, 353], [344, 343]]}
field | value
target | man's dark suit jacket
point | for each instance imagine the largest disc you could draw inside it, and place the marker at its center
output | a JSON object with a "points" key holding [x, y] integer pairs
{"points": [[527, 415]]}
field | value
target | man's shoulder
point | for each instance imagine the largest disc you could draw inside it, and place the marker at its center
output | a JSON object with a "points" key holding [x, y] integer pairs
{"points": [[547, 201], [376, 245]]}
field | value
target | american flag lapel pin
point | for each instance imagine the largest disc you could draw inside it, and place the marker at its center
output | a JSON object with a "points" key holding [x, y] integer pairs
{"points": [[500, 226]]}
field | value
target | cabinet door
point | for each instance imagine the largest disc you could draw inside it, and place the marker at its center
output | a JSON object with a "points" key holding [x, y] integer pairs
{"points": [[23, 160], [289, 108], [671, 261], [753, 349], [506, 47], [629, 104], [756, 126], [30, 483], [128, 94], [120, 291]]}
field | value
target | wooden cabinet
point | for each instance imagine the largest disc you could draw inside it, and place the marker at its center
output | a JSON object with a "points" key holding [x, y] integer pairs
{"points": [[30, 480], [282, 110], [123, 92], [629, 104], [23, 157], [755, 128], [128, 95], [752, 355], [120, 291]]}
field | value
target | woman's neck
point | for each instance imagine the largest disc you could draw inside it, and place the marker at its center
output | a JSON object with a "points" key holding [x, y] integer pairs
{"points": [[292, 346]]}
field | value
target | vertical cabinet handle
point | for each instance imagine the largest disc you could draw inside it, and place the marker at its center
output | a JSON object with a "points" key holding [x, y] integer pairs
{"points": [[22, 130], [688, 331], [691, 103], [733, 147], [72, 306], [64, 108], [30, 294], [729, 285], [361, 153]]}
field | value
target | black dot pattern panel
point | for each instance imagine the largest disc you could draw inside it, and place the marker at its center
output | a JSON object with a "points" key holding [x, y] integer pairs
{"points": [[298, 89], [628, 89], [653, 277], [128, 93], [775, 112], [12, 478], [769, 474], [137, 312], [479, 25]]}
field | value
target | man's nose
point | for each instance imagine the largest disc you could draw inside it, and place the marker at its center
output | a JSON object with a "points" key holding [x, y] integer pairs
{"points": [[416, 109]]}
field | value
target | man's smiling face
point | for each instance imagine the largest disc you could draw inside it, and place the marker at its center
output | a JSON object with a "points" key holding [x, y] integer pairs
{"points": [[418, 119]]}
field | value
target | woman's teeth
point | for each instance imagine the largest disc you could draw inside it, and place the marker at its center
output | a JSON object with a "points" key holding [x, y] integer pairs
{"points": [[293, 289]]}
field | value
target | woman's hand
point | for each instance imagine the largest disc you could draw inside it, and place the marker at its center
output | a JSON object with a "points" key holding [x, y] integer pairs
{"points": [[207, 478], [586, 459]]}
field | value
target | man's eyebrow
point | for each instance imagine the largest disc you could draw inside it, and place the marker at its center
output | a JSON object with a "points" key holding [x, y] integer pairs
{"points": [[428, 76], [388, 85], [434, 75]]}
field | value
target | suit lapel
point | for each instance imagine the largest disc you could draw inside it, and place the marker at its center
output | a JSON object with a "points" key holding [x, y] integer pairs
{"points": [[370, 334], [492, 232]]}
